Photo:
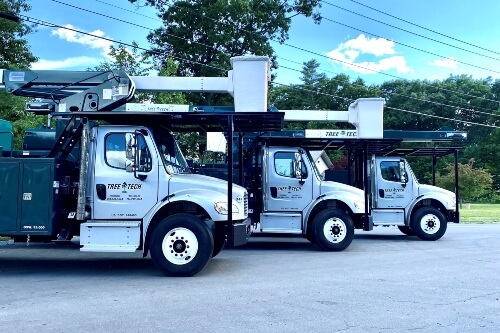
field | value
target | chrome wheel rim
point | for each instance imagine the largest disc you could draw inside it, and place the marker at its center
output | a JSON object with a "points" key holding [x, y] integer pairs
{"points": [[430, 224], [180, 246], [335, 230]]}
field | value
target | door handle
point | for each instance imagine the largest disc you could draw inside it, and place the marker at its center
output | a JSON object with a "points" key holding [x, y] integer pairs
{"points": [[101, 191], [381, 192], [274, 192]]}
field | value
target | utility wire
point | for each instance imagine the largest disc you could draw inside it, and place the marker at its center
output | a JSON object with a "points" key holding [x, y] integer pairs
{"points": [[315, 53], [440, 117], [52, 25], [134, 24], [406, 96], [395, 109], [36, 21], [412, 47], [408, 31], [130, 11], [422, 27]]}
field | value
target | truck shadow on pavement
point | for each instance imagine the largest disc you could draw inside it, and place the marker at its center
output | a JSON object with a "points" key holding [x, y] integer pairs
{"points": [[78, 267]]}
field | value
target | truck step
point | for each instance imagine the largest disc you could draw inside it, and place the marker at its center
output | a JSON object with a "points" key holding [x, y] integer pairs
{"points": [[110, 236]]}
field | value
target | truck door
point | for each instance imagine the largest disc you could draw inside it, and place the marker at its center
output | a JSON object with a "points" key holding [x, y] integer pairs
{"points": [[118, 192], [392, 188], [289, 185]]}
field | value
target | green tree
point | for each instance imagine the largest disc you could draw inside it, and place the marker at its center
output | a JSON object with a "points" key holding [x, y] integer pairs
{"points": [[203, 34], [137, 64], [472, 181], [15, 53]]}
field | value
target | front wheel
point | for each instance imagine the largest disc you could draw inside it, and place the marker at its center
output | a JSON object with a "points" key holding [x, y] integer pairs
{"points": [[181, 245], [333, 230], [428, 223]]}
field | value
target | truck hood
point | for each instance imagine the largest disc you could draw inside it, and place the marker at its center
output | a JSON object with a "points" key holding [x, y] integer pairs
{"points": [[423, 189], [179, 182], [329, 186]]}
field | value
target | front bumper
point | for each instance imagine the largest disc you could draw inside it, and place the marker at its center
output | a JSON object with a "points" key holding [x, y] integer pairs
{"points": [[453, 216], [240, 233]]}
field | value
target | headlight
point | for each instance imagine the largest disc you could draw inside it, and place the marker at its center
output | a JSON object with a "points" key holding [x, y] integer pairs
{"points": [[222, 208]]}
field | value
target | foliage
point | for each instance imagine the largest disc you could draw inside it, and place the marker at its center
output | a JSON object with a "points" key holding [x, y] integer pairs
{"points": [[202, 35], [15, 54], [136, 64], [472, 181]]}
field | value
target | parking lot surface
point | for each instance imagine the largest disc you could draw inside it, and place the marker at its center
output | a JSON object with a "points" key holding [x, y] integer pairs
{"points": [[384, 282]]}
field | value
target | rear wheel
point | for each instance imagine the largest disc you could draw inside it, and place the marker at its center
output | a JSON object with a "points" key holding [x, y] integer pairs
{"points": [[406, 230], [429, 223], [333, 230], [181, 245]]}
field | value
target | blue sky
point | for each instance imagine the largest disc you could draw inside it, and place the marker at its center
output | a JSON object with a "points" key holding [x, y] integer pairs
{"points": [[375, 48]]}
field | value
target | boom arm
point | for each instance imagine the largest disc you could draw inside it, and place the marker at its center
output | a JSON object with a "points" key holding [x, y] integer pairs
{"points": [[105, 91]]}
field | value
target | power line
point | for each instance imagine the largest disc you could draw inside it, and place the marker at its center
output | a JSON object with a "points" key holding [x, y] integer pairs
{"points": [[36, 21], [406, 96], [52, 25], [396, 109], [130, 11], [315, 53], [314, 91], [412, 47], [422, 27], [131, 23], [440, 117], [410, 32]]}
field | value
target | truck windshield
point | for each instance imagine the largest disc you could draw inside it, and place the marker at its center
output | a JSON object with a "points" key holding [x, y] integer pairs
{"points": [[410, 171], [170, 153], [314, 166]]}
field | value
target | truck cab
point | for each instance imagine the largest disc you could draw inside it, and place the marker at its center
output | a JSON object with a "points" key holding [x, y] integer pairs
{"points": [[397, 198], [288, 196]]}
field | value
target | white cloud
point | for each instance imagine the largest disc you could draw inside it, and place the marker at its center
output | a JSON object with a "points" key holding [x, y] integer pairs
{"points": [[82, 61], [75, 37], [347, 53], [446, 63], [376, 46]]}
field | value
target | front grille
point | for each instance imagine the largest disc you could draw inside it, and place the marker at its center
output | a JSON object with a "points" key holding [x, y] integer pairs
{"points": [[245, 203]]}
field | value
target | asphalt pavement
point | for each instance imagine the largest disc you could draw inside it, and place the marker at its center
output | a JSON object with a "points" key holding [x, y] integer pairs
{"points": [[384, 282]]}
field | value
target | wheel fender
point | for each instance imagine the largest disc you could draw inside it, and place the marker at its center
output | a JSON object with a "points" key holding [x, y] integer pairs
{"points": [[431, 196], [348, 200], [205, 199]]}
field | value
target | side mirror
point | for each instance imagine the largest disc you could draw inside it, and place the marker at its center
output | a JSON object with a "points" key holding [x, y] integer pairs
{"points": [[130, 152], [297, 166], [402, 172]]}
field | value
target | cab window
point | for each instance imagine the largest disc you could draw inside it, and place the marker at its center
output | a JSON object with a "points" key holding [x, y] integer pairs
{"points": [[390, 171], [286, 165], [116, 152]]}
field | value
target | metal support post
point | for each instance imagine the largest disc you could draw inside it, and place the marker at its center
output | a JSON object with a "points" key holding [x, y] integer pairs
{"points": [[434, 170], [457, 187], [240, 162], [367, 223], [230, 129]]}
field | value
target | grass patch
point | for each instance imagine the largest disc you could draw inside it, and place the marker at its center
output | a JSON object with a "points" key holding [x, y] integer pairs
{"points": [[480, 213], [2, 238]]}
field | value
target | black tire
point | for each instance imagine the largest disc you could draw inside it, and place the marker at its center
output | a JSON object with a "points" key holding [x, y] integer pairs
{"points": [[181, 245], [310, 237], [406, 230], [219, 242], [333, 230], [428, 223]]}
